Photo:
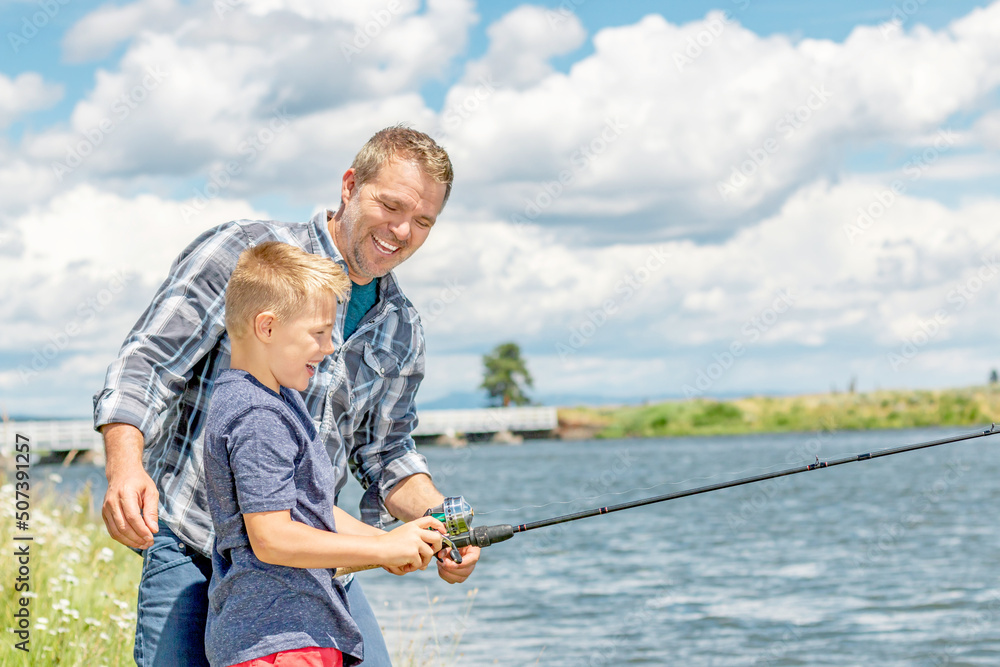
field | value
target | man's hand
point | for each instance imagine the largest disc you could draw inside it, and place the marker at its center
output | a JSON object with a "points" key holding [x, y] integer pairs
{"points": [[131, 503], [408, 500], [455, 573]]}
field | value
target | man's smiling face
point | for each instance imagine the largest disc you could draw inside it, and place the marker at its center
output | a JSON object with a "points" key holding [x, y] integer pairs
{"points": [[384, 221]]}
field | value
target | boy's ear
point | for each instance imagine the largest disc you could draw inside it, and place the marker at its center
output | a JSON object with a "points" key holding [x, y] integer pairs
{"points": [[263, 326]]}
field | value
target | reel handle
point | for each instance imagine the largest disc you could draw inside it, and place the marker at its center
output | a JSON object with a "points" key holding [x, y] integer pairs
{"points": [[342, 571]]}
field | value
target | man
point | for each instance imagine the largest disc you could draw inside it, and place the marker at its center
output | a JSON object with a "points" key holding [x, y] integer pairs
{"points": [[153, 405]]}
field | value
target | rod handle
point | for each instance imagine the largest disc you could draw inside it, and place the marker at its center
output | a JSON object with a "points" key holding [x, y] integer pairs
{"points": [[341, 571]]}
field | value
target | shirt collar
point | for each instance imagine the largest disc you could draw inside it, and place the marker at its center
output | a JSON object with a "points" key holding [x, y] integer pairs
{"points": [[389, 291], [321, 232]]}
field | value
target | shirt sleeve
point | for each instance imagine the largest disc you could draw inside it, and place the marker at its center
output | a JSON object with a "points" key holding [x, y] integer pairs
{"points": [[384, 454], [262, 452], [183, 322]]}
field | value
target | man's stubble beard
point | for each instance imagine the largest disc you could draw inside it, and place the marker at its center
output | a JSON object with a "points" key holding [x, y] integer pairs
{"points": [[351, 220]]}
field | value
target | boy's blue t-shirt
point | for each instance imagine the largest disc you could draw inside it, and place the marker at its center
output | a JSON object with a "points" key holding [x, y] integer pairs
{"points": [[262, 455]]}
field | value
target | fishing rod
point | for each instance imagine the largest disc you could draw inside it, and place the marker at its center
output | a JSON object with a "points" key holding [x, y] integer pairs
{"points": [[457, 514]]}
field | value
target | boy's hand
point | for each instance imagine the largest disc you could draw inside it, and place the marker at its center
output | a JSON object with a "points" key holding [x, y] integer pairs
{"points": [[411, 546]]}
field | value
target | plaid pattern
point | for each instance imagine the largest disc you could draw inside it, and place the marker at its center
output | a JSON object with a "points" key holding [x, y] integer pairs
{"points": [[163, 377]]}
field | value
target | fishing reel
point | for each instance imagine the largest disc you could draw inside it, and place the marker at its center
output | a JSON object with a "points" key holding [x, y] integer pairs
{"points": [[456, 515]]}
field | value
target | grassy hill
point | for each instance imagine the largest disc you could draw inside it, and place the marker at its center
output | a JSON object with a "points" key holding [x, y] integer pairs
{"points": [[766, 414]]}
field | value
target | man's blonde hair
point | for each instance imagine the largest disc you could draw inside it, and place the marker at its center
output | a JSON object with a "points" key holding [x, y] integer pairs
{"points": [[282, 279], [401, 143]]}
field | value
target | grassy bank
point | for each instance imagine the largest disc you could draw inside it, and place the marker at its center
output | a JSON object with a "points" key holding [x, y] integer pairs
{"points": [[82, 590], [81, 585], [765, 414]]}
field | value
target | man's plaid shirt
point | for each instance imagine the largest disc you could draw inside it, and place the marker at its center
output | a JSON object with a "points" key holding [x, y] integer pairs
{"points": [[362, 396]]}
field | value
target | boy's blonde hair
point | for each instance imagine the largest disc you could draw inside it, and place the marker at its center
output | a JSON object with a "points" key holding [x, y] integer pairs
{"points": [[282, 279], [402, 143]]}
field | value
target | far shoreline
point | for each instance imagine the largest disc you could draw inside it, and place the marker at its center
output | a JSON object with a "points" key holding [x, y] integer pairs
{"points": [[888, 409]]}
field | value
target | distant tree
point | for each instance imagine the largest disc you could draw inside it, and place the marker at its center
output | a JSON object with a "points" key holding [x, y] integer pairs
{"points": [[993, 376], [506, 375]]}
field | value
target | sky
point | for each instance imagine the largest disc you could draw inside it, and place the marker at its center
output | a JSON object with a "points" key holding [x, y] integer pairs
{"points": [[653, 199]]}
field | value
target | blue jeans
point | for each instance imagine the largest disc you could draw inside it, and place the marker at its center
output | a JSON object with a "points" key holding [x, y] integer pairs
{"points": [[173, 606]]}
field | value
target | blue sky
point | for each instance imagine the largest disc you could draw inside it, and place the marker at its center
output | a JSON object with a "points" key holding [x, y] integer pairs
{"points": [[652, 198]]}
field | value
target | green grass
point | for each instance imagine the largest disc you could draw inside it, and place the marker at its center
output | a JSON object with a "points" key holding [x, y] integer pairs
{"points": [[765, 414], [82, 586]]}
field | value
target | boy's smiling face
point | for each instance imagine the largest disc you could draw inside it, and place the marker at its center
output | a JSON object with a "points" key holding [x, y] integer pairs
{"points": [[298, 346]]}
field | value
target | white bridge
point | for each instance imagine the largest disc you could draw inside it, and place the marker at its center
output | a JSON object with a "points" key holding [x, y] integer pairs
{"points": [[487, 420], [46, 437]]}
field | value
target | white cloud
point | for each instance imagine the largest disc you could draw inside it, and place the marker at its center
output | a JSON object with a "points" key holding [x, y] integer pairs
{"points": [[95, 35], [859, 286], [618, 161], [987, 129], [521, 44], [691, 119], [84, 267], [193, 86], [25, 93]]}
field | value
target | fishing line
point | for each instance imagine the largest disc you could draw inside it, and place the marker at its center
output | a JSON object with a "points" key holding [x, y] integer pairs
{"points": [[705, 478], [732, 473]]}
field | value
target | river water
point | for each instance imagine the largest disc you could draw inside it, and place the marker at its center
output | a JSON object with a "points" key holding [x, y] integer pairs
{"points": [[891, 561]]}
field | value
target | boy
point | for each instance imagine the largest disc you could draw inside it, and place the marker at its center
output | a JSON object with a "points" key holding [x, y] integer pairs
{"points": [[271, 484]]}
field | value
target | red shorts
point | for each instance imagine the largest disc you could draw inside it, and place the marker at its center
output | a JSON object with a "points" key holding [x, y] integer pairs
{"points": [[311, 656]]}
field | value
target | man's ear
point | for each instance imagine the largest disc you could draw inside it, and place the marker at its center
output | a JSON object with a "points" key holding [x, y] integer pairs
{"points": [[348, 185], [263, 326]]}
